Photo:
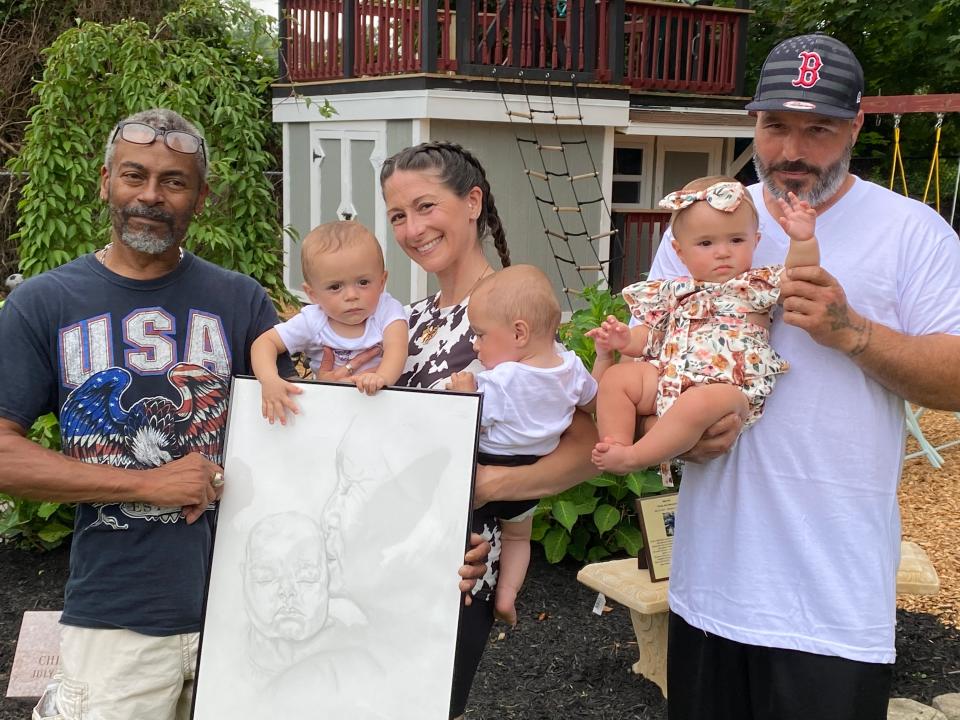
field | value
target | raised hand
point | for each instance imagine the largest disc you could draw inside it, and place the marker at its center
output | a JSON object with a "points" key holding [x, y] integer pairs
{"points": [[798, 220], [610, 335]]}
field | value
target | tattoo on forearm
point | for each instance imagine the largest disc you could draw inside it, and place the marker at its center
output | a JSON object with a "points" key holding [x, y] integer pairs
{"points": [[863, 338], [840, 320]]}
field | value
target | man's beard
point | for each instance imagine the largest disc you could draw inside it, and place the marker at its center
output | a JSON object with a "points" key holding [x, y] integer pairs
{"points": [[827, 183], [149, 241]]}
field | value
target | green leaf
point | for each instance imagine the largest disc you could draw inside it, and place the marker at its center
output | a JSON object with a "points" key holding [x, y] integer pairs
{"points": [[540, 527], [605, 517], [628, 537], [555, 544], [47, 509], [54, 532], [603, 480], [597, 553], [565, 513]]}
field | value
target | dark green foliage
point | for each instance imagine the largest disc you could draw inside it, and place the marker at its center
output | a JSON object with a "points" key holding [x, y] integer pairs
{"points": [[905, 48], [205, 60], [212, 61], [597, 518]]}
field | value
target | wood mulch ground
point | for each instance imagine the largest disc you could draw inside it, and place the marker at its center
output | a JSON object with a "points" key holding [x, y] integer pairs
{"points": [[930, 510]]}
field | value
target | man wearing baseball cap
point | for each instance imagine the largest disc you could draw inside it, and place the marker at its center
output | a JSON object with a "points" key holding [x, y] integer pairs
{"points": [[783, 580]]}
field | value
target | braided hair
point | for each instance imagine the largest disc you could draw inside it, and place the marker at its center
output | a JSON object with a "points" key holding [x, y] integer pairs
{"points": [[459, 171]]}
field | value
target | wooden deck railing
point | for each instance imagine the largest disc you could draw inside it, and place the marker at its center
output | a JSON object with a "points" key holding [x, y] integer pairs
{"points": [[635, 245], [641, 43], [672, 47]]}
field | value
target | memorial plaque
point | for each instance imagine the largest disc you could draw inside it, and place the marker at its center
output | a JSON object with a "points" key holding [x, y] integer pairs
{"points": [[38, 654]]}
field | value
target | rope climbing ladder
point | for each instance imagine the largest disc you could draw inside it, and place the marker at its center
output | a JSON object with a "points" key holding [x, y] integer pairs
{"points": [[565, 182]]}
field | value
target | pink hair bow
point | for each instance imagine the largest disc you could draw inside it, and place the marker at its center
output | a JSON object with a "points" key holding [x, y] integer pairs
{"points": [[724, 196]]}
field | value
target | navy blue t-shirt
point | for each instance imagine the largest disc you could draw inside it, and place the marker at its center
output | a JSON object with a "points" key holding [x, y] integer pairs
{"points": [[139, 374]]}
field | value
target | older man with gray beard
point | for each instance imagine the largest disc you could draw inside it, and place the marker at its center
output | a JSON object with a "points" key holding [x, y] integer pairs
{"points": [[782, 587], [132, 346]]}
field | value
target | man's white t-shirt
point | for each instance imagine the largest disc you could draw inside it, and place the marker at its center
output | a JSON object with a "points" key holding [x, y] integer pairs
{"points": [[309, 332], [792, 539], [526, 409]]}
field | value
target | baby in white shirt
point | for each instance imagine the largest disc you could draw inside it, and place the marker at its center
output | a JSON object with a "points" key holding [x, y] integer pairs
{"points": [[351, 313], [530, 391]]}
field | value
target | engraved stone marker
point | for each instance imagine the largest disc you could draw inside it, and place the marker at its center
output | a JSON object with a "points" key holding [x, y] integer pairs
{"points": [[38, 654]]}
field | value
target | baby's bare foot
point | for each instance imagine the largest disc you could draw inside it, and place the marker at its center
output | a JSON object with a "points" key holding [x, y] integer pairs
{"points": [[504, 607], [615, 458]]}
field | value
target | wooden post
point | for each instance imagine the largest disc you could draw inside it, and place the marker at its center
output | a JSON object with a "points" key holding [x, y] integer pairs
{"points": [[743, 25], [464, 33], [428, 35], [349, 43], [284, 48], [616, 16]]}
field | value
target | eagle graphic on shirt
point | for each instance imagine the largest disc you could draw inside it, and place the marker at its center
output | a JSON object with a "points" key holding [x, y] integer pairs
{"points": [[96, 427]]}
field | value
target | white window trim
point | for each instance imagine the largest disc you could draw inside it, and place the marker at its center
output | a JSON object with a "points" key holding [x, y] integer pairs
{"points": [[646, 144]]}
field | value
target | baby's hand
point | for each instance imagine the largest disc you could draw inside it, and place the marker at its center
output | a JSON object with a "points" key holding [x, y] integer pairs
{"points": [[462, 382], [799, 220], [611, 335], [275, 394], [368, 383]]}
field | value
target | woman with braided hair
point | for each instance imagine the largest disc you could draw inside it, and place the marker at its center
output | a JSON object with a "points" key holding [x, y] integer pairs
{"points": [[440, 206]]}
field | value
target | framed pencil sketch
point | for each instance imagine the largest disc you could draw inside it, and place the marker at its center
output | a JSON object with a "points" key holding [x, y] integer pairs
{"points": [[333, 590], [657, 515]]}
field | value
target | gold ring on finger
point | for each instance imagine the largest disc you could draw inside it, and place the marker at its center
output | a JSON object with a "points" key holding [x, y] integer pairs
{"points": [[217, 479]]}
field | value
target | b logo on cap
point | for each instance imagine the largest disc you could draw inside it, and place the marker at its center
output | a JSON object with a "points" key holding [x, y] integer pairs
{"points": [[810, 64]]}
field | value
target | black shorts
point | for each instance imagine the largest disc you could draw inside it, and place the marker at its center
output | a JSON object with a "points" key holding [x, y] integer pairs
{"points": [[712, 678], [506, 509]]}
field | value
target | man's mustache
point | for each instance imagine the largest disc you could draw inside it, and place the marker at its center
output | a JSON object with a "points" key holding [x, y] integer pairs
{"points": [[796, 166], [149, 213]]}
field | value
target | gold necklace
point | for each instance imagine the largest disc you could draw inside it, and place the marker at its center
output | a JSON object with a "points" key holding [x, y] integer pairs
{"points": [[432, 327]]}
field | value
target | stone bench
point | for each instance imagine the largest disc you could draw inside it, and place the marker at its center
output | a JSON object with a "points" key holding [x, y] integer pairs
{"points": [[622, 582]]}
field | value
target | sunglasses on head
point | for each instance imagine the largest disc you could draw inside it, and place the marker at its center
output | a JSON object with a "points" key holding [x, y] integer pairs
{"points": [[177, 140], [724, 196]]}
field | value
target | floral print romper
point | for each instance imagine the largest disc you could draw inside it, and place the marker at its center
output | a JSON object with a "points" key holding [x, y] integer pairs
{"points": [[700, 333]]}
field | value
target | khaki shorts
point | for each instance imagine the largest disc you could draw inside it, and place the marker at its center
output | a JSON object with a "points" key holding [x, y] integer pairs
{"points": [[119, 675]]}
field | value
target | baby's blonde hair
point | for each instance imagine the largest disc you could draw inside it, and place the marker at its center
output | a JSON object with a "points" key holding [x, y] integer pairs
{"points": [[702, 184], [522, 292], [331, 237]]}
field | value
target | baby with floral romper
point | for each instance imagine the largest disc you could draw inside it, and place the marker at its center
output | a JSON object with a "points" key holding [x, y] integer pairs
{"points": [[703, 341]]}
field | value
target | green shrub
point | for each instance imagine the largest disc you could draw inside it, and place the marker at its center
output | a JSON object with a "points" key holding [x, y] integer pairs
{"points": [[211, 60], [597, 518], [31, 524]]}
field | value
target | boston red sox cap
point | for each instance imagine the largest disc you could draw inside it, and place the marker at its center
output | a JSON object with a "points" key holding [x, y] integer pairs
{"points": [[810, 73]]}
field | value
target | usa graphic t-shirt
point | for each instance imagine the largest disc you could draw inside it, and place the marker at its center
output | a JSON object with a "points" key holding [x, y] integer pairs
{"points": [[138, 373]]}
